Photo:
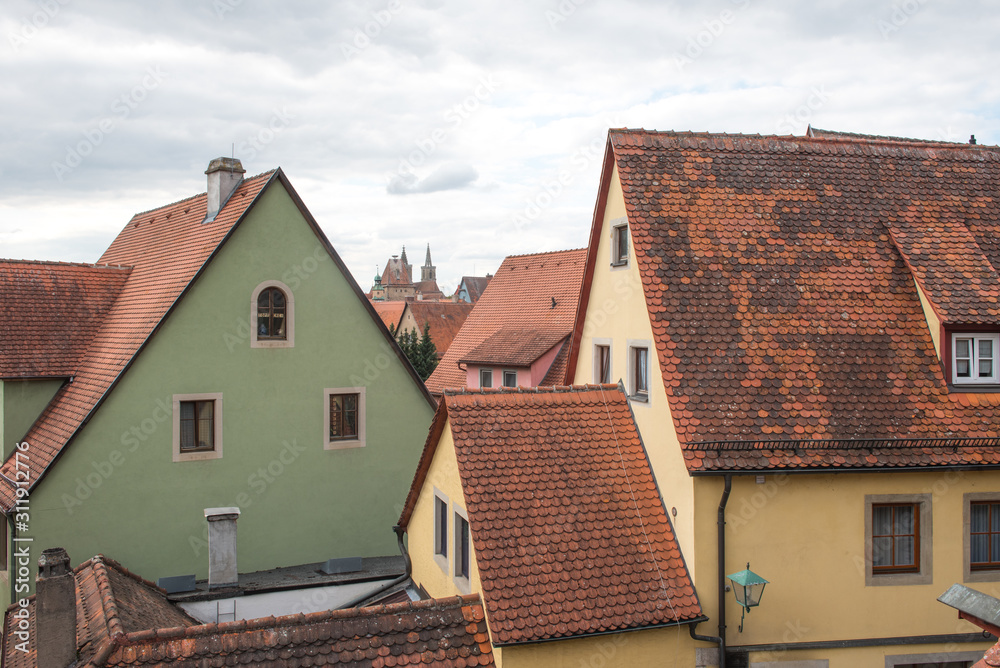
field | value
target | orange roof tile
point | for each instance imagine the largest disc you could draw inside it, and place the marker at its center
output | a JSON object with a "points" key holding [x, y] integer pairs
{"points": [[444, 318], [49, 314], [123, 620], [390, 312], [570, 533], [514, 346], [519, 296], [779, 277], [165, 249]]}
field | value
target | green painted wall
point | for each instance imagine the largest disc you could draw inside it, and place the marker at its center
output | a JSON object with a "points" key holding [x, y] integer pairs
{"points": [[21, 402], [116, 489]]}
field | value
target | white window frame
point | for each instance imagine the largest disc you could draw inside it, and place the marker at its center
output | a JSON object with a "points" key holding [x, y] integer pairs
{"points": [[482, 372], [616, 226], [504, 377], [343, 444], [216, 452], [463, 583], [289, 340], [597, 360], [925, 545], [441, 559], [633, 346], [974, 338]]}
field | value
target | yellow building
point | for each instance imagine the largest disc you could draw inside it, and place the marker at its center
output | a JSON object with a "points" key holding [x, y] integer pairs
{"points": [[808, 330], [543, 501]]}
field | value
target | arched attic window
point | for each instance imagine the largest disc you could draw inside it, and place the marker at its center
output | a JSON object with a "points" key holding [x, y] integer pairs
{"points": [[272, 316]]}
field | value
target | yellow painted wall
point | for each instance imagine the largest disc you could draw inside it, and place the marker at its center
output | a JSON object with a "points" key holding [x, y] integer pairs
{"points": [[617, 311], [443, 475], [670, 647], [805, 533]]}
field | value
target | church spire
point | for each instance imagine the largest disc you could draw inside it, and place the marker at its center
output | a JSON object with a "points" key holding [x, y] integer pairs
{"points": [[428, 272], [427, 261]]}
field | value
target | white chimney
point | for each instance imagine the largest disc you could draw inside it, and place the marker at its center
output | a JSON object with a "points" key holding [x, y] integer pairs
{"points": [[55, 610], [224, 174], [222, 547]]}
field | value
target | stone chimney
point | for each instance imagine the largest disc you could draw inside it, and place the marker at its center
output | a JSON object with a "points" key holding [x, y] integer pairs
{"points": [[224, 174], [55, 610], [222, 570]]}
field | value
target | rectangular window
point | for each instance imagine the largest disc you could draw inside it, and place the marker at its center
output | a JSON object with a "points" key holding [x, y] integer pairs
{"points": [[984, 535], [486, 378], [602, 363], [896, 538], [343, 418], [440, 526], [640, 372], [461, 547], [510, 379], [619, 245], [974, 358], [197, 426]]}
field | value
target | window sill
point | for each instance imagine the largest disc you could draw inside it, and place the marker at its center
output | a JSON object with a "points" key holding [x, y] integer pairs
{"points": [[442, 561], [619, 264], [463, 584], [978, 388], [898, 579], [343, 445], [197, 455], [642, 398]]}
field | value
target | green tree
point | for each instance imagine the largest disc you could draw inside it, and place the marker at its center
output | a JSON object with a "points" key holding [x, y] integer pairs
{"points": [[419, 350]]}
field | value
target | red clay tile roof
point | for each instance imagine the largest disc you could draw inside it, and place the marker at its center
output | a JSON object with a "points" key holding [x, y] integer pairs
{"points": [[514, 346], [110, 602], [445, 320], [570, 533], [475, 286], [395, 273], [519, 295], [777, 275], [49, 313], [165, 249], [123, 620], [389, 312], [991, 659]]}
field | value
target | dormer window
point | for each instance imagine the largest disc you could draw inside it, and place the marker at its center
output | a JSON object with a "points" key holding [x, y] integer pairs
{"points": [[619, 244], [974, 359]]}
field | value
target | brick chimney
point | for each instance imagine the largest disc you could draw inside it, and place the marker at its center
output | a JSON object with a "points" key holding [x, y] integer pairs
{"points": [[222, 570], [55, 610], [224, 174]]}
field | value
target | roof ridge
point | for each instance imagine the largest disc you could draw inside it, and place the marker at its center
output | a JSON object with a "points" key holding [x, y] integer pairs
{"points": [[58, 263], [115, 628], [296, 619], [199, 194], [567, 250], [547, 389]]}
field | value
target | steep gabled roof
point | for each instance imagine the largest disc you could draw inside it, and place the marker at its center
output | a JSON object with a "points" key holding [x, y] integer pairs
{"points": [[123, 620], [390, 312], [166, 249], [445, 320], [475, 286], [778, 273], [49, 313], [396, 273], [539, 291], [570, 533]]}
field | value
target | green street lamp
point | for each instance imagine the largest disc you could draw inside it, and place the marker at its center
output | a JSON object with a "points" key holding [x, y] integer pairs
{"points": [[748, 588]]}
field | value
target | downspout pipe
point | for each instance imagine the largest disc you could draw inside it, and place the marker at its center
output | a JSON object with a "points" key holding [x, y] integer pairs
{"points": [[722, 568], [357, 603]]}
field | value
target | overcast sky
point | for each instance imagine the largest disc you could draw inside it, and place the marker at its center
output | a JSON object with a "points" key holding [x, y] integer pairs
{"points": [[476, 127]]}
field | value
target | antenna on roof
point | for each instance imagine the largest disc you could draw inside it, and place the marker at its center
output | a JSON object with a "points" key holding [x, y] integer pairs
{"points": [[234, 151]]}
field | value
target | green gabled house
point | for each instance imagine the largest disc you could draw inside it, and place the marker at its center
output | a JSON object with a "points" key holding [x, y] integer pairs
{"points": [[218, 355]]}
